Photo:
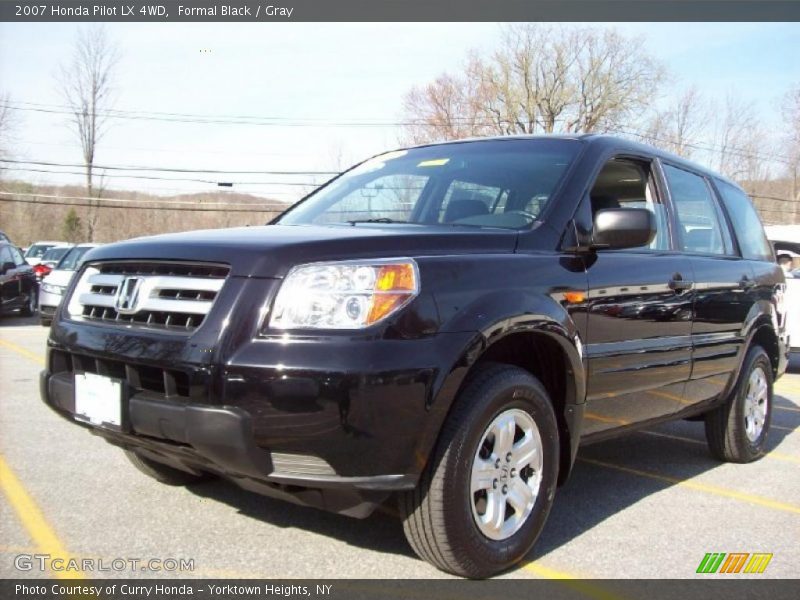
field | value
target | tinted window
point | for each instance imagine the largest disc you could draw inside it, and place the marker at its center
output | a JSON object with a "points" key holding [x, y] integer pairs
{"points": [[37, 250], [624, 183], [749, 230], [5, 255], [481, 184], [392, 197], [464, 197], [700, 227], [54, 255], [17, 255], [72, 259]]}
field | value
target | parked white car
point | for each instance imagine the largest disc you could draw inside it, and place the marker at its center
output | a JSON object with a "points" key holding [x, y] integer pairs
{"points": [[34, 253], [786, 241], [52, 288]]}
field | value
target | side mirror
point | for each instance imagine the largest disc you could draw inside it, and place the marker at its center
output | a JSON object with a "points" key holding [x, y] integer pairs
{"points": [[7, 266], [623, 228]]}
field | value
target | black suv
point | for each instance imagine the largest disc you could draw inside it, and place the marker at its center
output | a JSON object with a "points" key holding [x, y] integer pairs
{"points": [[445, 324]]}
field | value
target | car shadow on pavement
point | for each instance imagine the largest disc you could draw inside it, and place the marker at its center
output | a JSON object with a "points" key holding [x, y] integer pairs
{"points": [[16, 320], [380, 532], [593, 494], [604, 483]]}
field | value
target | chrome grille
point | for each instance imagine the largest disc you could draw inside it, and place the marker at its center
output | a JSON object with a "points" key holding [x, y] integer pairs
{"points": [[175, 296]]}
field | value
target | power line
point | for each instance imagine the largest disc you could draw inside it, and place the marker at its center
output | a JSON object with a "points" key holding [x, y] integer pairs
{"points": [[122, 201], [182, 209], [258, 121], [318, 122], [164, 169], [70, 110], [155, 178]]}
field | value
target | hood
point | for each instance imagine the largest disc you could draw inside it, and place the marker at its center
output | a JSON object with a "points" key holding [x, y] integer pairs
{"points": [[270, 251]]}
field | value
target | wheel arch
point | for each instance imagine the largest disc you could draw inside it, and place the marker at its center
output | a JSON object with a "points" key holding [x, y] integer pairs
{"points": [[535, 334]]}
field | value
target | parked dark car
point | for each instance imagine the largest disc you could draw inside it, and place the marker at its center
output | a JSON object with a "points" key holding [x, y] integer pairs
{"points": [[17, 281], [446, 324]]}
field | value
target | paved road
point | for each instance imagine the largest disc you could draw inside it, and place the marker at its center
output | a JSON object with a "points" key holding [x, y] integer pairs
{"points": [[648, 505]]}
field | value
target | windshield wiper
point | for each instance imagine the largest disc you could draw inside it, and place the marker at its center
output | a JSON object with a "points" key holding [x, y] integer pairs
{"points": [[376, 220]]}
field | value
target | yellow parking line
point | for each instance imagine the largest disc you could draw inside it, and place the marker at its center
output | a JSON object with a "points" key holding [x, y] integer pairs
{"points": [[701, 487], [572, 581], [680, 438], [20, 350], [32, 518]]}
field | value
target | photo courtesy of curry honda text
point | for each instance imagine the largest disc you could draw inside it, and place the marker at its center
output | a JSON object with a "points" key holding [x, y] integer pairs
{"points": [[440, 327]]}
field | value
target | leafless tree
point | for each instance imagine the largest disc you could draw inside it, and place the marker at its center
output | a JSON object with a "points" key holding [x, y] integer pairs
{"points": [[542, 79], [791, 119], [86, 83], [7, 122], [739, 141], [680, 126]]}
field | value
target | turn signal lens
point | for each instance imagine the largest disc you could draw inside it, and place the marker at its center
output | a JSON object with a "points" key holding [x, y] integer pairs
{"points": [[344, 295]]}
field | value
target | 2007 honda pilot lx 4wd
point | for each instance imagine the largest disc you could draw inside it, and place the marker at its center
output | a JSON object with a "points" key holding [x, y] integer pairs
{"points": [[445, 324]]}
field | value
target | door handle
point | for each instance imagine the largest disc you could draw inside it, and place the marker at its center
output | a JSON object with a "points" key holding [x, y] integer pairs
{"points": [[745, 283], [678, 284]]}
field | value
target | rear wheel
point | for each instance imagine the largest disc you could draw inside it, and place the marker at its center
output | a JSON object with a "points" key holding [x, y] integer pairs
{"points": [[163, 473], [485, 495], [737, 430]]}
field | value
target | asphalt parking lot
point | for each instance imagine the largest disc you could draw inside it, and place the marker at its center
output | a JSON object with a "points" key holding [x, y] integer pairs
{"points": [[649, 505]]}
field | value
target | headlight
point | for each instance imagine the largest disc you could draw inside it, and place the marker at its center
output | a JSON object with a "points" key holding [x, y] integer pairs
{"points": [[344, 295], [53, 289]]}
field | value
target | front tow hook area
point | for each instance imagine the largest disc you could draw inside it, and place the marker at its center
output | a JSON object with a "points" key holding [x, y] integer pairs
{"points": [[222, 435]]}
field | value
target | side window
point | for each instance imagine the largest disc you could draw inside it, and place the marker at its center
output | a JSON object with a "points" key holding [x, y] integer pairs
{"points": [[700, 226], [749, 230], [17, 256], [5, 255], [389, 197], [625, 183]]}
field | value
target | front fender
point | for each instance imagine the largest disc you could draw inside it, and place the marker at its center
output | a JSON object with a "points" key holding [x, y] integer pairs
{"points": [[502, 314]]}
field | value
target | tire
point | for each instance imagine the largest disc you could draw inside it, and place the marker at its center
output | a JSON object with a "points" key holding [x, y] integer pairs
{"points": [[163, 473], [442, 516], [45, 322], [30, 307], [737, 431]]}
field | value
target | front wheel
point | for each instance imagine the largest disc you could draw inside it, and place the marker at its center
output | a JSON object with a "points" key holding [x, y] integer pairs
{"points": [[737, 430], [484, 497]]}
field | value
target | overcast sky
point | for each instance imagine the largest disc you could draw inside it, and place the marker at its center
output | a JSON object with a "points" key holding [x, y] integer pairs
{"points": [[316, 72]]}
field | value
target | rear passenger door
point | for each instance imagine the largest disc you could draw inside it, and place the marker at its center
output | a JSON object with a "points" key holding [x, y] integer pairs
{"points": [[724, 288]]}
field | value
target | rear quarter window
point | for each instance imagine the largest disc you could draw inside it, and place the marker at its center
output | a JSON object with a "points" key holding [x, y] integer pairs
{"points": [[746, 224]]}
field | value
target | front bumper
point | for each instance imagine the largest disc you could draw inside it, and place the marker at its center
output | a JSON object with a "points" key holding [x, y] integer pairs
{"points": [[48, 301], [220, 440], [335, 423]]}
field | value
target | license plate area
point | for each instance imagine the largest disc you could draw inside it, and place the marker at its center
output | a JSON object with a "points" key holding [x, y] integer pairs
{"points": [[101, 401]]}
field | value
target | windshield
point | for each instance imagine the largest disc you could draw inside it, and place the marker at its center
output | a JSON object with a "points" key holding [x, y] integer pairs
{"points": [[54, 254], [72, 259], [37, 250], [493, 183]]}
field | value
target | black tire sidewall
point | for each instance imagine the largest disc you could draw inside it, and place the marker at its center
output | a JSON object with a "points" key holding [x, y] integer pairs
{"points": [[521, 392], [756, 358]]}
